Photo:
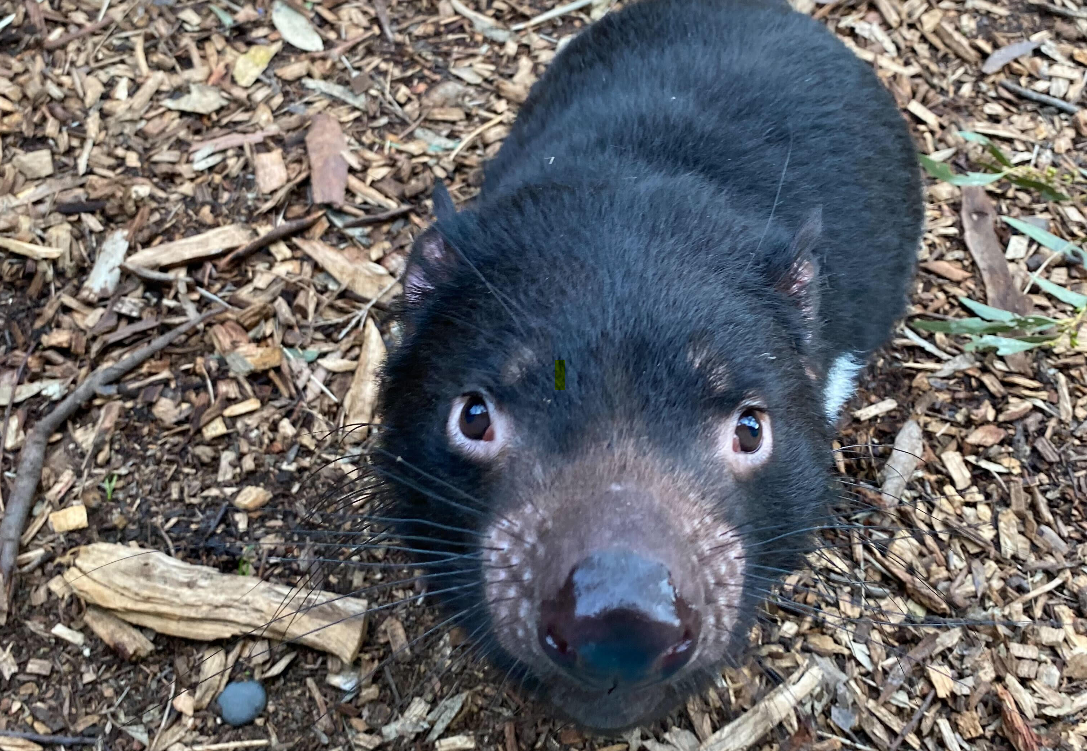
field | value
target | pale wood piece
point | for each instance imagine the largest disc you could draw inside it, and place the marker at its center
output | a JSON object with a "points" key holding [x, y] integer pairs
{"points": [[745, 732], [151, 589]]}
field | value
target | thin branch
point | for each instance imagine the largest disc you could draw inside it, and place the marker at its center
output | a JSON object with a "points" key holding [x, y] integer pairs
{"points": [[562, 10], [62, 41], [1034, 96], [284, 230], [1059, 11], [910, 726], [57, 740], [32, 456], [364, 221], [383, 19]]}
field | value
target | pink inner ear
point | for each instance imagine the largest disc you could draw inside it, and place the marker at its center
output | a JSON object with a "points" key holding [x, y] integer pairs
{"points": [[415, 284], [800, 277], [432, 260]]}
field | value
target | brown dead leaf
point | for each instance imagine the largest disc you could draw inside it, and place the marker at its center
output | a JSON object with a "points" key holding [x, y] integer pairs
{"points": [[1006, 54], [1013, 726], [908, 447], [986, 435], [325, 144], [978, 221], [947, 270]]}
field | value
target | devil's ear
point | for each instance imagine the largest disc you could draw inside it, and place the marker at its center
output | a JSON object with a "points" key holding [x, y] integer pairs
{"points": [[799, 282], [432, 257], [432, 260], [444, 209]]}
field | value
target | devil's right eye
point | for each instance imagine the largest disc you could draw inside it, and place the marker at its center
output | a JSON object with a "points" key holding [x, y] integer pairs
{"points": [[475, 419]]}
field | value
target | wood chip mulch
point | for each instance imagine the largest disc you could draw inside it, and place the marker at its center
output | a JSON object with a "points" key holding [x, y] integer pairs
{"points": [[267, 165]]}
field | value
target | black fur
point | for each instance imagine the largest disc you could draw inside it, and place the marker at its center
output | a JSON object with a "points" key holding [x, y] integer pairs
{"points": [[654, 195]]}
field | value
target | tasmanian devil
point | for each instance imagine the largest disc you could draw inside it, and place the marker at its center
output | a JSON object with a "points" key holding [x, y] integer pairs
{"points": [[709, 211]]}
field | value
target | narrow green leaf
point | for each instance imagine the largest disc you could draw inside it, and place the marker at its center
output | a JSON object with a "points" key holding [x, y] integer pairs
{"points": [[964, 326], [942, 171], [977, 178], [992, 148], [1000, 156], [307, 355], [1002, 344], [1046, 239], [224, 18], [1048, 192], [1075, 299], [1034, 323], [988, 312], [969, 135], [939, 170]]}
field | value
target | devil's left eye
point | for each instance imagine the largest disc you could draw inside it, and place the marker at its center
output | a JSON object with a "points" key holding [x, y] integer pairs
{"points": [[748, 438]]}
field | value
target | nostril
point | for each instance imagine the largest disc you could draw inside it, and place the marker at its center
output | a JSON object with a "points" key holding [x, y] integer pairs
{"points": [[618, 620]]}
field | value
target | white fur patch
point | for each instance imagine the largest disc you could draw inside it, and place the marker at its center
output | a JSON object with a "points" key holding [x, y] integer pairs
{"points": [[841, 380]]}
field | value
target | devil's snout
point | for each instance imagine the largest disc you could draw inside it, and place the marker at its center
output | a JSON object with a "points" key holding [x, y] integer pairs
{"points": [[618, 621]]}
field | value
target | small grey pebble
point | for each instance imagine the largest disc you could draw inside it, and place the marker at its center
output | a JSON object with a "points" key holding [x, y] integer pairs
{"points": [[240, 703]]}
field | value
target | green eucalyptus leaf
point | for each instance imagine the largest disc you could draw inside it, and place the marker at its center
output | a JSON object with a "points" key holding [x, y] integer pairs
{"points": [[976, 178], [942, 171], [307, 355], [939, 170], [1034, 323], [1002, 344], [224, 18], [1048, 192], [964, 326], [1046, 239], [988, 312], [940, 327], [1075, 299], [969, 135], [987, 142]]}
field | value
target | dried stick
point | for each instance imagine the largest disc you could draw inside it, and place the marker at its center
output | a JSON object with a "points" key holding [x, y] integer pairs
{"points": [[382, 11], [562, 10], [284, 230], [364, 221], [37, 18], [62, 41], [32, 457], [472, 136], [1059, 11], [52, 740], [910, 726], [1034, 96]]}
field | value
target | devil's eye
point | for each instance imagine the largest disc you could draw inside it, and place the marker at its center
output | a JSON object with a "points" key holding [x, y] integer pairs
{"points": [[748, 437], [475, 419]]}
